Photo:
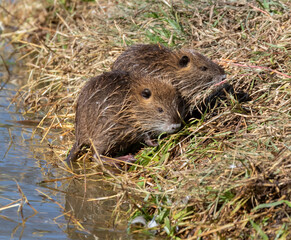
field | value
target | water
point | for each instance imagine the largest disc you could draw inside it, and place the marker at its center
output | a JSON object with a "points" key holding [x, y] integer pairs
{"points": [[19, 164], [24, 162]]}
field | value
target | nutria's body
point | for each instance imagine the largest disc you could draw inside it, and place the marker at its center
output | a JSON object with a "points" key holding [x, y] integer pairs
{"points": [[188, 71], [117, 109]]}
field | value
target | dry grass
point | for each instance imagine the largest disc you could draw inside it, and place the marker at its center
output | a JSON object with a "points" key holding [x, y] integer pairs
{"points": [[224, 176]]}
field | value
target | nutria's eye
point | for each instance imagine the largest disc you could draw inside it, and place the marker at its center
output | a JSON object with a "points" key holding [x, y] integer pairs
{"points": [[146, 93], [203, 68], [184, 61], [160, 110]]}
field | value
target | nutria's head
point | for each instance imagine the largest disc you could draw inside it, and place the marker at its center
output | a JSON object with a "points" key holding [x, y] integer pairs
{"points": [[156, 106], [195, 73]]}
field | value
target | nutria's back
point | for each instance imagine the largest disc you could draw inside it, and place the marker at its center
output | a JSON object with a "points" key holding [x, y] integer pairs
{"points": [[117, 109], [189, 71]]}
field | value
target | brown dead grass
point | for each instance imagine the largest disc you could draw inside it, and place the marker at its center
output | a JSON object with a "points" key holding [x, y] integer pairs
{"points": [[213, 178]]}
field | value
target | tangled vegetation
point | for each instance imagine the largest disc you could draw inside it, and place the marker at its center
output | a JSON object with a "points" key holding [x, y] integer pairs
{"points": [[224, 176]]}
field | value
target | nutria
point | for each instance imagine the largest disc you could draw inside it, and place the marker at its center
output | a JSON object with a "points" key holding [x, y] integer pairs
{"points": [[117, 109], [189, 72]]}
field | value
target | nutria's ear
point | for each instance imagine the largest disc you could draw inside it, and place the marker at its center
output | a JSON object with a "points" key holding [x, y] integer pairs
{"points": [[183, 62], [146, 93]]}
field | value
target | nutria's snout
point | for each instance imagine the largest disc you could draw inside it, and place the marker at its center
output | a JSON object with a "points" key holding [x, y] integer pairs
{"points": [[174, 127], [168, 128], [170, 123], [220, 79]]}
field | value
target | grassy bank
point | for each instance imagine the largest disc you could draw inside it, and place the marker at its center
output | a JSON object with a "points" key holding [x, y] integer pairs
{"points": [[224, 176]]}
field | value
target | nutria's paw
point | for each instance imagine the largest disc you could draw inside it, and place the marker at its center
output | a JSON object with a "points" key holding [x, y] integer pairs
{"points": [[151, 142], [127, 158]]}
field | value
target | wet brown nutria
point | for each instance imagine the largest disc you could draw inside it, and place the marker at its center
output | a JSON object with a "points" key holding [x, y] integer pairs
{"points": [[190, 72], [117, 109]]}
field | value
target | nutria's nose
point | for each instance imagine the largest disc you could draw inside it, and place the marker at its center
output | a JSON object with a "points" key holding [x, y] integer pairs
{"points": [[175, 127], [219, 78]]}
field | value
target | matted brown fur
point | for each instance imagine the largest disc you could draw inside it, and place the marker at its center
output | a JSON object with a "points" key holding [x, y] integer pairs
{"points": [[189, 71], [116, 109]]}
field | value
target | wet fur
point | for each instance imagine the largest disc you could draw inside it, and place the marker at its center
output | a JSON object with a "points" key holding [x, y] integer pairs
{"points": [[112, 113]]}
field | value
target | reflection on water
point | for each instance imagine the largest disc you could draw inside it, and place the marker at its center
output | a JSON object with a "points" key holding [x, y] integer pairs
{"points": [[96, 216]]}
